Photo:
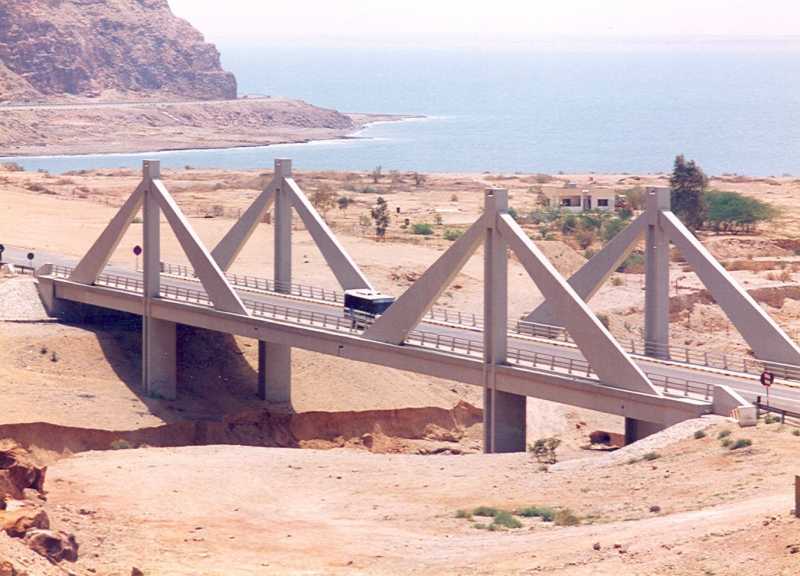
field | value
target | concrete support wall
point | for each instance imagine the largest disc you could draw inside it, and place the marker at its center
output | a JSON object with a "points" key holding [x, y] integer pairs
{"points": [[637, 429], [277, 358], [656, 319], [503, 412], [159, 365]]}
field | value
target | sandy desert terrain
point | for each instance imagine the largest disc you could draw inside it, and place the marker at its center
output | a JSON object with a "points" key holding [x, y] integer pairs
{"points": [[388, 457]]}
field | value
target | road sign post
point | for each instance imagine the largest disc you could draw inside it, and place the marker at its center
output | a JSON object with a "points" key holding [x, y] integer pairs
{"points": [[767, 378], [137, 250]]}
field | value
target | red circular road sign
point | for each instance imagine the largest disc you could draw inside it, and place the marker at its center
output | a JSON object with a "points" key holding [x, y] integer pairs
{"points": [[767, 378], [137, 250]]}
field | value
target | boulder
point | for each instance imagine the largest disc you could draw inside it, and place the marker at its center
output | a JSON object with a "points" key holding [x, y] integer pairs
{"points": [[16, 523], [55, 546]]}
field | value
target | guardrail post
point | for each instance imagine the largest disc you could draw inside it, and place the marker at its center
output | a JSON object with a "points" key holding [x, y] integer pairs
{"points": [[503, 412]]}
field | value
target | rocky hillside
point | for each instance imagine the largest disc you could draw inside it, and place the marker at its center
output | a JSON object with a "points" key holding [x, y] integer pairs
{"points": [[88, 47]]}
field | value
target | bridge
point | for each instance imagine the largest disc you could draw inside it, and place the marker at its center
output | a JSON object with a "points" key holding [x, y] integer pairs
{"points": [[561, 352]]}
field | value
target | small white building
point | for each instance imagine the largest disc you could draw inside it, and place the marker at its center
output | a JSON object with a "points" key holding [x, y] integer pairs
{"points": [[575, 199]]}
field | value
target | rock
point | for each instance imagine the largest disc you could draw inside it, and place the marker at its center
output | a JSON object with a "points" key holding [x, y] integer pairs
{"points": [[55, 546], [18, 471], [85, 47], [16, 523]]}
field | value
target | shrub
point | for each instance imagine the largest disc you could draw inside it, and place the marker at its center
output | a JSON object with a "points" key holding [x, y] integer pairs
{"points": [[544, 449], [506, 520], [489, 511], [651, 456], [770, 419], [543, 512], [585, 238], [438, 220], [53, 357], [633, 263], [137, 220], [723, 434], [566, 517], [452, 235], [731, 211], [726, 442], [513, 213], [616, 281], [453, 197], [795, 432], [422, 229], [463, 514], [12, 167], [604, 320], [741, 443], [699, 434], [569, 224], [121, 444], [612, 228]]}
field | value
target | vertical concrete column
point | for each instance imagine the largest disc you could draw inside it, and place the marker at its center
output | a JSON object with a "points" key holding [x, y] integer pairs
{"points": [[656, 300], [275, 360], [159, 364], [503, 413]]}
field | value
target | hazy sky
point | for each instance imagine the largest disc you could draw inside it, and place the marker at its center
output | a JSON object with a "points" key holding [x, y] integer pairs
{"points": [[466, 22]]}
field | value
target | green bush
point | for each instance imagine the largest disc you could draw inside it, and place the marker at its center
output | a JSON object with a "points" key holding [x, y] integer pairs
{"points": [[513, 213], [741, 443], [726, 442], [488, 511], [506, 520], [463, 514], [121, 444], [733, 212], [795, 432], [543, 512], [422, 229], [723, 434], [569, 224], [452, 235], [612, 228], [699, 434], [633, 263]]}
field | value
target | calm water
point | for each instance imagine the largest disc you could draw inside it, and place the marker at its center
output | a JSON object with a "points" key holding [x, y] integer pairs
{"points": [[732, 111]]}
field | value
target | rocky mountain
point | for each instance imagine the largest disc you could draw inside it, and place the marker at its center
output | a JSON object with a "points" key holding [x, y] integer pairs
{"points": [[88, 47]]}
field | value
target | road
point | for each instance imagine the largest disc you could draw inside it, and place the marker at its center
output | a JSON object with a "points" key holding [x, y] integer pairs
{"points": [[132, 104], [748, 385]]}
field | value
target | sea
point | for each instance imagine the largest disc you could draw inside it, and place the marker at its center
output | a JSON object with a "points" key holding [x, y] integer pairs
{"points": [[733, 109]]}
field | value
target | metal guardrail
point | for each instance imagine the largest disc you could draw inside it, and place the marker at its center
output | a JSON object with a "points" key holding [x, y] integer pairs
{"points": [[784, 414], [575, 367]]}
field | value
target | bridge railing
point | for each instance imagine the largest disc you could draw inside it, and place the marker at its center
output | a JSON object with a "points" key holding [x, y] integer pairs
{"points": [[576, 367]]}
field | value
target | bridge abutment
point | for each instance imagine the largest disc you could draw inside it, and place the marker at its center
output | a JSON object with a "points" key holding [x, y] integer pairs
{"points": [[636, 430]]}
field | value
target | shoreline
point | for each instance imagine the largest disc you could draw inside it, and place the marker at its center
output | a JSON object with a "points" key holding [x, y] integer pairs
{"points": [[100, 129], [322, 140]]}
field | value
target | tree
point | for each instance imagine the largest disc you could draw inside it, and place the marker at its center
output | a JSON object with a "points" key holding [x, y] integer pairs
{"points": [[733, 212], [380, 216], [377, 174], [343, 202], [323, 199], [688, 184]]}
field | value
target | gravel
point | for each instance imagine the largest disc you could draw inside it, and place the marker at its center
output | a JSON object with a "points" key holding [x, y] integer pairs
{"points": [[19, 300]]}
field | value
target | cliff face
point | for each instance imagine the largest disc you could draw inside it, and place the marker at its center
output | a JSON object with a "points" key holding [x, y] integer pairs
{"points": [[85, 47]]}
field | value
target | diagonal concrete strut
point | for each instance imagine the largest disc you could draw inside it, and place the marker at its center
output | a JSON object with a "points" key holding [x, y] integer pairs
{"points": [[408, 310], [344, 268], [609, 361], [765, 337], [593, 274], [96, 259], [208, 272], [226, 251]]}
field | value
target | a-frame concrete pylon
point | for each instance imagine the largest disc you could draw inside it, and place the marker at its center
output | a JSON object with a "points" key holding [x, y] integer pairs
{"points": [[504, 414], [661, 226], [275, 360], [158, 347]]}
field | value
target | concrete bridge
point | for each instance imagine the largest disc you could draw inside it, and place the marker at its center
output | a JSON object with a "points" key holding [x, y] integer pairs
{"points": [[561, 352]]}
